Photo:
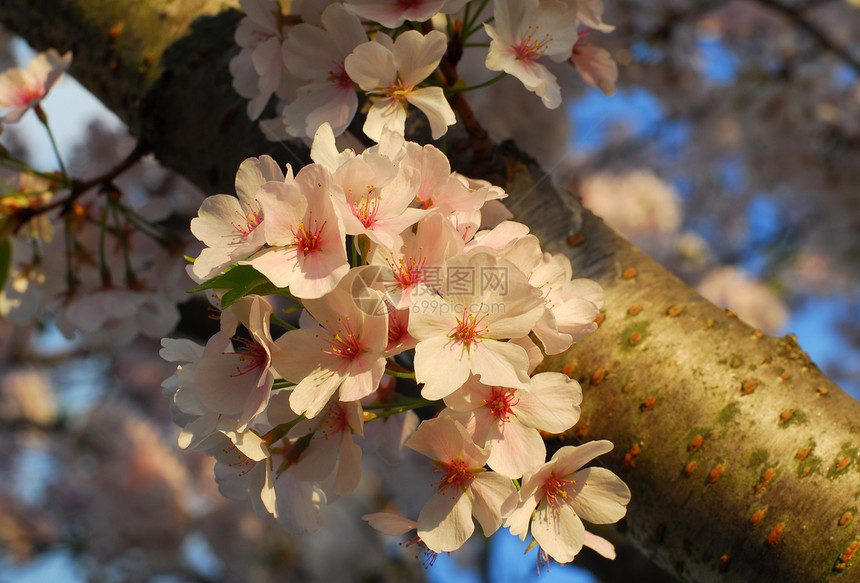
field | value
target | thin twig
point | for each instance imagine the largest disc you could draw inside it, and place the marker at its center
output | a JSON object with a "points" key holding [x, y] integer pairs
{"points": [[79, 187], [797, 16]]}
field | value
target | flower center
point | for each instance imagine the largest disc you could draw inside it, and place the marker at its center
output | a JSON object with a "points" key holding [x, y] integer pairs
{"points": [[338, 76], [532, 46], [23, 95], [409, 271], [237, 460], [559, 491], [335, 421], [469, 330], [397, 326], [501, 403], [245, 224], [251, 356], [345, 342], [397, 92], [455, 475], [307, 236], [365, 207]]}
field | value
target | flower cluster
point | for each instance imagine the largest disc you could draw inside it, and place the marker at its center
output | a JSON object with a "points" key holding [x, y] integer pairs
{"points": [[408, 283], [321, 58]]}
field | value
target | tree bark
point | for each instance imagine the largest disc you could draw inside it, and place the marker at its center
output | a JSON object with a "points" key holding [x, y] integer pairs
{"points": [[741, 456]]}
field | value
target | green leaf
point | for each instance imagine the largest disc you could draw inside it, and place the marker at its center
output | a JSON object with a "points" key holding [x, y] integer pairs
{"points": [[235, 276], [5, 261], [240, 281]]}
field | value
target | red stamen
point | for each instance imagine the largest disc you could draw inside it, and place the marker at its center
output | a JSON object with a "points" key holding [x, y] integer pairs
{"points": [[408, 271], [307, 237], [469, 330], [429, 555], [335, 422], [501, 403], [530, 48], [456, 475], [558, 491], [366, 207], [345, 342], [247, 222], [251, 355]]}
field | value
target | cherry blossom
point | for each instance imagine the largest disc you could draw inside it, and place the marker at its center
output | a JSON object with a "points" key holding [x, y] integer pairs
{"points": [[331, 446], [393, 71], [316, 55], [234, 377], [524, 31], [465, 489], [417, 257], [341, 348], [458, 198], [257, 70], [249, 467], [571, 304], [305, 235], [21, 89], [373, 196], [463, 330], [595, 65], [507, 421], [228, 225], [558, 496], [198, 424]]}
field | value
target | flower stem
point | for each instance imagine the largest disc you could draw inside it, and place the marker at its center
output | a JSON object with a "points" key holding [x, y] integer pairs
{"points": [[19, 166], [282, 323], [40, 113], [122, 235], [400, 374], [103, 265], [148, 228], [495, 79], [389, 409], [470, 25]]}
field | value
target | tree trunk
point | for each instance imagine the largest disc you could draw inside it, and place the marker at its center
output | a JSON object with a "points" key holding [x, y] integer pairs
{"points": [[741, 456]]}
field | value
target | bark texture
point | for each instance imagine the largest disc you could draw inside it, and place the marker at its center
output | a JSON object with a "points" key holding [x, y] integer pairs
{"points": [[741, 456]]}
